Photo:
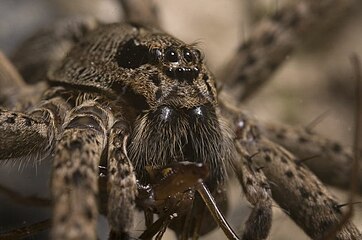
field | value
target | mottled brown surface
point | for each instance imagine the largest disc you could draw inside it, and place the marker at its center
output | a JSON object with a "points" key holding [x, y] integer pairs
{"points": [[298, 93]]}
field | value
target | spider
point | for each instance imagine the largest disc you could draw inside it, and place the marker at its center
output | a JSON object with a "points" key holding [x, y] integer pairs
{"points": [[129, 97]]}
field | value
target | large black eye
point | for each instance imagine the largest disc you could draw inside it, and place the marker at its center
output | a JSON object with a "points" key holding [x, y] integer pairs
{"points": [[132, 55], [188, 55], [171, 55]]}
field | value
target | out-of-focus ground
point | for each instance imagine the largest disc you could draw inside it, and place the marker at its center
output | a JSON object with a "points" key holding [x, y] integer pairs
{"points": [[316, 79]]}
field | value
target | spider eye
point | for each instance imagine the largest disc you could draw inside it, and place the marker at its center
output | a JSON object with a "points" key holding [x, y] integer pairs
{"points": [[188, 56], [198, 54], [171, 55], [155, 55]]}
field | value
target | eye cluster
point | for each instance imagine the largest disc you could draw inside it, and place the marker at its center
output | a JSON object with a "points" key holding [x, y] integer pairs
{"points": [[175, 55], [172, 55], [178, 63]]}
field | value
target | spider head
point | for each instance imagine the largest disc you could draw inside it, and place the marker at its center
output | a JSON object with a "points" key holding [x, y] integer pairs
{"points": [[179, 121], [169, 93], [164, 71], [145, 67]]}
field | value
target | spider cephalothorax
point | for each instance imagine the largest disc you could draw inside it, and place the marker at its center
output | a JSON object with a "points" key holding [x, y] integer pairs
{"points": [[171, 94]]}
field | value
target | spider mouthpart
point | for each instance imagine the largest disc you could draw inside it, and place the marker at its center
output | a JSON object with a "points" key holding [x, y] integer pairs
{"points": [[166, 113], [169, 113], [169, 134]]}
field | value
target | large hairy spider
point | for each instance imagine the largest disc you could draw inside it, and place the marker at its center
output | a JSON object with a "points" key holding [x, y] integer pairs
{"points": [[131, 117]]}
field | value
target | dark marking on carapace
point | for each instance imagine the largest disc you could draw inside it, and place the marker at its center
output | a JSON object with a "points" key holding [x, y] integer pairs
{"points": [[132, 55], [205, 77], [28, 121], [158, 93], [10, 120], [155, 79]]}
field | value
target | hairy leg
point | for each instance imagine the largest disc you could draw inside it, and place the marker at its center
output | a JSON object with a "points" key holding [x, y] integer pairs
{"points": [[31, 136], [304, 198], [14, 92], [257, 191], [26, 231], [272, 40], [10, 82], [75, 173], [34, 58], [121, 182], [37, 54], [25, 200], [140, 12], [331, 161]]}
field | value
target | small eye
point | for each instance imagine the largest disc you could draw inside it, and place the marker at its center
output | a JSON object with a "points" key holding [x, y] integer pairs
{"points": [[189, 57], [198, 54], [171, 55], [155, 55]]}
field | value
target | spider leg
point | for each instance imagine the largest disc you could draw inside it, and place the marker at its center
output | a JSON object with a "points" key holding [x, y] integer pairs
{"points": [[29, 230], [49, 46], [25, 200], [26, 231], [10, 81], [332, 163], [295, 188], [140, 12], [31, 136], [257, 191], [34, 135], [14, 93], [272, 40], [121, 182], [75, 173]]}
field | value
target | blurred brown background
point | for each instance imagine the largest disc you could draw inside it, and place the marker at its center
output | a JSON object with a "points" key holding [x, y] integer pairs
{"points": [[315, 79]]}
